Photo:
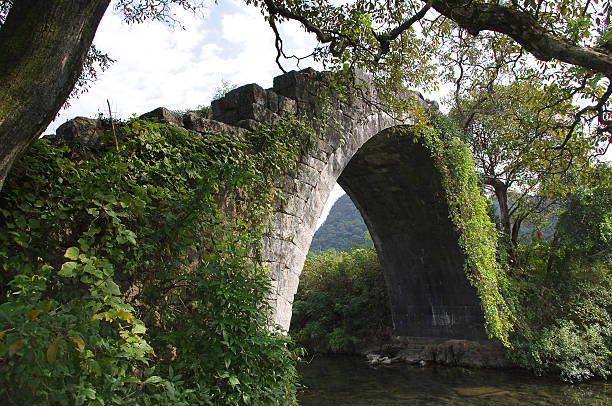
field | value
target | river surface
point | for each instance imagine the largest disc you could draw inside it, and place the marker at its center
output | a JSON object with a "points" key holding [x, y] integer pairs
{"points": [[350, 381]]}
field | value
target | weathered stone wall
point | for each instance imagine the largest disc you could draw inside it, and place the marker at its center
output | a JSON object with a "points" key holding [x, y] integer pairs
{"points": [[391, 180]]}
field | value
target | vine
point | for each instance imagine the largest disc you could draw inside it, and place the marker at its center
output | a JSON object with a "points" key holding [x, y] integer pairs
{"points": [[128, 279], [468, 211]]}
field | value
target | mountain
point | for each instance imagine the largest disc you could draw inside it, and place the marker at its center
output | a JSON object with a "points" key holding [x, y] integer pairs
{"points": [[342, 229]]}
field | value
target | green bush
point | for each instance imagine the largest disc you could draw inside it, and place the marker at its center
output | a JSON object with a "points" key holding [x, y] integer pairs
{"points": [[564, 294], [341, 302], [124, 281]]}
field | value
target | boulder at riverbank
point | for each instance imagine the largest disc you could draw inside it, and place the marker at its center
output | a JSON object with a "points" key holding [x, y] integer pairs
{"points": [[442, 351]]}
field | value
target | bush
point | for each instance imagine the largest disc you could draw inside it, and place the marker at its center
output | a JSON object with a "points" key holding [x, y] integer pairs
{"points": [[341, 302], [123, 281], [565, 296]]}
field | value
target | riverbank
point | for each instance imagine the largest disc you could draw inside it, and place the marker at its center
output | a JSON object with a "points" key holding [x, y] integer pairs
{"points": [[438, 351]]}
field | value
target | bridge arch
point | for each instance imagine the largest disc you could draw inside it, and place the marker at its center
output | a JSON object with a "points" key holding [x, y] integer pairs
{"points": [[392, 181]]}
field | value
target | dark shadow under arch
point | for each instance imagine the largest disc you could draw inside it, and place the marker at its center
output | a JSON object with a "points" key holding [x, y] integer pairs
{"points": [[394, 184]]}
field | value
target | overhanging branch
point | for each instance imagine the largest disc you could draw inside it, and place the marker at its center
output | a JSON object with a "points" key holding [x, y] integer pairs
{"points": [[525, 30]]}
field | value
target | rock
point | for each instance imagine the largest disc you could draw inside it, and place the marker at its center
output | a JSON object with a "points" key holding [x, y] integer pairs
{"points": [[244, 95], [81, 133], [163, 115], [286, 105], [248, 124], [469, 354]]}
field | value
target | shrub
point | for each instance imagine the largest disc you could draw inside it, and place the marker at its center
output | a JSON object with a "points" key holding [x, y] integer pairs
{"points": [[341, 302], [123, 280], [565, 296]]}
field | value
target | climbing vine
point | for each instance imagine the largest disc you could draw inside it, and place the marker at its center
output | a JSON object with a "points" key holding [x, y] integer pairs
{"points": [[468, 211], [130, 276]]}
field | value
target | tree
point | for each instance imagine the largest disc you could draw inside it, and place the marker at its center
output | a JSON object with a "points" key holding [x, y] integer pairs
{"points": [[44, 46], [402, 43], [514, 120], [512, 135]]}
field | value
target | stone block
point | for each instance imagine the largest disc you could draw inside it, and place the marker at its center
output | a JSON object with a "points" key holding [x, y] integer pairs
{"points": [[195, 122], [163, 115], [275, 249], [284, 84], [313, 162], [308, 174], [272, 100], [230, 116], [293, 205], [285, 226], [217, 109], [303, 190], [248, 124], [286, 105], [258, 113], [247, 94]]}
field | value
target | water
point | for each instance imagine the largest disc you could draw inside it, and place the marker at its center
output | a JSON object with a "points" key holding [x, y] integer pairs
{"points": [[332, 381]]}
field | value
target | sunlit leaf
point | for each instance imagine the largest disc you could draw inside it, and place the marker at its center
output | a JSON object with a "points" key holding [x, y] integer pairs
{"points": [[72, 253], [78, 341], [3, 332], [152, 379], [127, 316]]}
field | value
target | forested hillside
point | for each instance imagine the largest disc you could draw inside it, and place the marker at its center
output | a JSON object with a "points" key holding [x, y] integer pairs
{"points": [[343, 228]]}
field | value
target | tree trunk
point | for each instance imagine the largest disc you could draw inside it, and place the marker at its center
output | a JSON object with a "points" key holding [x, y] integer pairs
{"points": [[43, 44], [516, 227], [501, 193]]}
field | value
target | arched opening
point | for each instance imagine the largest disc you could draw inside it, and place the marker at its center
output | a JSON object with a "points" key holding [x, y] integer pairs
{"points": [[394, 184]]}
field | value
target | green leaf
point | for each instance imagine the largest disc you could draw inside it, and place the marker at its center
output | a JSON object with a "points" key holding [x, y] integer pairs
{"points": [[72, 253], [152, 379], [93, 271], [139, 328], [234, 381], [68, 269]]}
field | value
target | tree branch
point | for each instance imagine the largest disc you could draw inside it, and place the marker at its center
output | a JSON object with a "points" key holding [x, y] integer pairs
{"points": [[524, 29], [384, 39]]}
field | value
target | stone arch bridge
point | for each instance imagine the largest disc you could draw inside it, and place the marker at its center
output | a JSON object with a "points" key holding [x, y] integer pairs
{"points": [[392, 181], [390, 178]]}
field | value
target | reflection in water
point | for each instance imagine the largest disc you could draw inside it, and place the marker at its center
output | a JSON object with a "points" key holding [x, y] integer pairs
{"points": [[350, 381]]}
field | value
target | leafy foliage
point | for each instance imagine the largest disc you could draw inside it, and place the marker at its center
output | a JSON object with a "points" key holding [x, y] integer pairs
{"points": [[565, 295], [342, 229], [124, 280], [341, 302]]}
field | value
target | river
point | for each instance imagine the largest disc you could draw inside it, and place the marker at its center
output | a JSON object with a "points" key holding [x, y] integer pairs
{"points": [[331, 381]]}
